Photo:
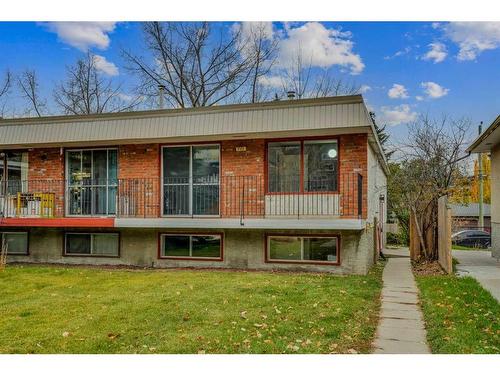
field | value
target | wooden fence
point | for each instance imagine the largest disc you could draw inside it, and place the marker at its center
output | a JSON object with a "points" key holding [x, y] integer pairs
{"points": [[441, 239], [444, 235]]}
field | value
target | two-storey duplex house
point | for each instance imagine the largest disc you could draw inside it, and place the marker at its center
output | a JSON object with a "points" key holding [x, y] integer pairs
{"points": [[293, 184]]}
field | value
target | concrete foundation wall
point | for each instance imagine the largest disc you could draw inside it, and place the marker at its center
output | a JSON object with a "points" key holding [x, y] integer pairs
{"points": [[243, 249]]}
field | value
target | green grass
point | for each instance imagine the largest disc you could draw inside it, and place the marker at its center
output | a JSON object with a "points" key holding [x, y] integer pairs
{"points": [[50, 309], [460, 247], [460, 316]]}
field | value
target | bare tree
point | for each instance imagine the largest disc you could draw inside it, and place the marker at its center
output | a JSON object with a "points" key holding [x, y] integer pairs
{"points": [[29, 87], [430, 165], [5, 85], [86, 91], [300, 78], [194, 67], [4, 90], [261, 47]]}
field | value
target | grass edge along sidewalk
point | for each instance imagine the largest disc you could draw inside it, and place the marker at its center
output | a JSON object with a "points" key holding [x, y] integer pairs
{"points": [[460, 315]]}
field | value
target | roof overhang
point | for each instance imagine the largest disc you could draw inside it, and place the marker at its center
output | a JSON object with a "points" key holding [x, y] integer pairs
{"points": [[488, 140], [301, 117]]}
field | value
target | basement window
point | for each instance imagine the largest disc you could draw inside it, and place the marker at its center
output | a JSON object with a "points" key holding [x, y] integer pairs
{"points": [[92, 244], [191, 246], [303, 249], [16, 242]]}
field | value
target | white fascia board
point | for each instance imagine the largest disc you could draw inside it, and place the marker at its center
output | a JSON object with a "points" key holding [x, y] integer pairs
{"points": [[217, 223]]}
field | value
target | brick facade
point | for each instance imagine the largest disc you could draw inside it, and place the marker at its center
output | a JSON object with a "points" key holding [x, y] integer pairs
{"points": [[242, 177], [46, 175], [353, 159], [139, 175], [243, 173]]}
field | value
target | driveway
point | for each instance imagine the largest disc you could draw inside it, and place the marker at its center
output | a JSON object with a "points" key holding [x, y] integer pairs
{"points": [[481, 266]]}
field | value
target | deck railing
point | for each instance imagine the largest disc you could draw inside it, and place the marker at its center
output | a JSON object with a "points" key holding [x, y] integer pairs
{"points": [[216, 196]]}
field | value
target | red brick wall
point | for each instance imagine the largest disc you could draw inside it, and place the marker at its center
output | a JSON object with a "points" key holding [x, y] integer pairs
{"points": [[139, 174], [46, 175], [242, 177], [353, 159], [46, 163]]}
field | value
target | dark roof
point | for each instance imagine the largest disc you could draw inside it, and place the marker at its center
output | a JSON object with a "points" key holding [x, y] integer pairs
{"points": [[470, 210]]}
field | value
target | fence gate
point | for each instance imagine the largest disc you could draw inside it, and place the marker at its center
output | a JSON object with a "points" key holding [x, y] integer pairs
{"points": [[444, 234]]}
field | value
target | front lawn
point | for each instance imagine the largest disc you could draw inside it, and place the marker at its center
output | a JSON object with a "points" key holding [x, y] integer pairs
{"points": [[460, 316], [51, 309]]}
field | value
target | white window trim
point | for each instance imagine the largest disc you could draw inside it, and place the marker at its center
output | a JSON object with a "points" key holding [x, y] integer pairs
{"points": [[162, 183], [68, 186], [91, 254]]}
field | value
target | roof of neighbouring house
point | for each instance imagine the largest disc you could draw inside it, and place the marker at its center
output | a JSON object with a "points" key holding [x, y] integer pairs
{"points": [[303, 117], [470, 210], [488, 139]]}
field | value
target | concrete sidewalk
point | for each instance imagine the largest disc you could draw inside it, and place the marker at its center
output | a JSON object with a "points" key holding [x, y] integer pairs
{"points": [[480, 265], [401, 329]]}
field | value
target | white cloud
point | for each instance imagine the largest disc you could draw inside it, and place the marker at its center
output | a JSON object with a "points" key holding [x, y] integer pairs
{"points": [[437, 52], [433, 90], [105, 66], [249, 28], [364, 88], [402, 52], [419, 98], [398, 91], [473, 37], [83, 35], [319, 46], [271, 81], [401, 114]]}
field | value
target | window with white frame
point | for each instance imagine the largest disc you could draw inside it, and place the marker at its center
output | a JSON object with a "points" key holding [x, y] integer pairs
{"points": [[191, 180], [16, 242], [204, 246], [302, 249], [92, 181], [92, 244]]}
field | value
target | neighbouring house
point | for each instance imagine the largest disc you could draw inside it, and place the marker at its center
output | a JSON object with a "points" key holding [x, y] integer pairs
{"points": [[288, 185], [489, 142], [466, 216]]}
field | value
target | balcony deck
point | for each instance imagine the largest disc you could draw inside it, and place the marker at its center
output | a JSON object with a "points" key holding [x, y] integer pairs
{"points": [[224, 202]]}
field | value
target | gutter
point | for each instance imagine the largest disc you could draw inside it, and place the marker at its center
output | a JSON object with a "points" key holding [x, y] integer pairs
{"points": [[494, 125]]}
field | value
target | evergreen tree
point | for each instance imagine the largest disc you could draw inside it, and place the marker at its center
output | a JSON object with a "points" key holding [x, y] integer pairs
{"points": [[383, 137]]}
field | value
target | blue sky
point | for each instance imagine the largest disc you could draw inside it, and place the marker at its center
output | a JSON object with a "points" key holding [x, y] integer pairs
{"points": [[405, 68]]}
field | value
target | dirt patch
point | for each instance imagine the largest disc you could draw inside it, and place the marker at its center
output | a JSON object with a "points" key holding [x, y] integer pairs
{"points": [[427, 268]]}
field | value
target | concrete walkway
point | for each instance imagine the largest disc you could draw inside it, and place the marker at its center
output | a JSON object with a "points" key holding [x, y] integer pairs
{"points": [[401, 329], [481, 266]]}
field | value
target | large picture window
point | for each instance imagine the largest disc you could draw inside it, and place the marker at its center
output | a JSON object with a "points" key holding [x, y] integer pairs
{"points": [[302, 166], [92, 244], [196, 246], [191, 180], [92, 181], [16, 242], [302, 249]]}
